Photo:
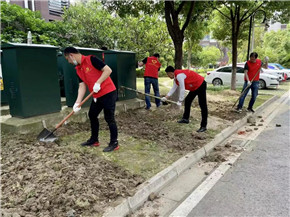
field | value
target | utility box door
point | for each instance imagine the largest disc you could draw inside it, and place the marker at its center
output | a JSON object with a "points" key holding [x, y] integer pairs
{"points": [[123, 65], [30, 75]]}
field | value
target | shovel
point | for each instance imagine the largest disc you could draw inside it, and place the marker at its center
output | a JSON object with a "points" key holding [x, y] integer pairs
{"points": [[243, 92], [48, 136], [147, 94]]}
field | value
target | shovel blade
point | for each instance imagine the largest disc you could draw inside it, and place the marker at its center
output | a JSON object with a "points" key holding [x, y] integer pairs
{"points": [[46, 136]]}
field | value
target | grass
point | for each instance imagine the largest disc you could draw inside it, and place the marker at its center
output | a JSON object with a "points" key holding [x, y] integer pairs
{"points": [[142, 157]]}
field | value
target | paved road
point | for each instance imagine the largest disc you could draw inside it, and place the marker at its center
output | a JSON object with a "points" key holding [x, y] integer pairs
{"points": [[259, 183]]}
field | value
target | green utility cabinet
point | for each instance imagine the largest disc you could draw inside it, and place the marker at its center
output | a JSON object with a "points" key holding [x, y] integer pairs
{"points": [[4, 99], [123, 65], [30, 78], [71, 81]]}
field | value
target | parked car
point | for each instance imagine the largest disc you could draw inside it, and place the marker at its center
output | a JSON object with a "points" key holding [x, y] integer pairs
{"points": [[277, 66], [223, 75], [277, 73]]}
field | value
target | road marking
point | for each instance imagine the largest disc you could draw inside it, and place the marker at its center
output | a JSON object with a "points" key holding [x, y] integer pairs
{"points": [[197, 195]]}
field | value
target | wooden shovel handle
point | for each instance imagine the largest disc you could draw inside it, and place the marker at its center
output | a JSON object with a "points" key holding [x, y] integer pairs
{"points": [[70, 114]]}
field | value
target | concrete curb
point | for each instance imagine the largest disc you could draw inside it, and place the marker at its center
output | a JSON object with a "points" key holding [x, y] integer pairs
{"points": [[35, 124], [156, 183]]}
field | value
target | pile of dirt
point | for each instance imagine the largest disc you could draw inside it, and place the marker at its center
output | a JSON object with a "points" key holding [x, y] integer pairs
{"points": [[46, 180], [161, 126], [225, 110], [40, 179]]}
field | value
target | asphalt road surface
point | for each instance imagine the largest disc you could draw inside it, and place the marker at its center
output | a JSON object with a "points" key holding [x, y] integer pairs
{"points": [[259, 183]]}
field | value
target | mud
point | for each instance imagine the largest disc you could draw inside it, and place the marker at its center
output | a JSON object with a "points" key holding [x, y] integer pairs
{"points": [[40, 179], [49, 179]]}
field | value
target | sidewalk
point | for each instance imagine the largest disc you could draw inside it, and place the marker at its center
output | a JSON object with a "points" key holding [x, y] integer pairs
{"points": [[154, 185], [258, 185]]}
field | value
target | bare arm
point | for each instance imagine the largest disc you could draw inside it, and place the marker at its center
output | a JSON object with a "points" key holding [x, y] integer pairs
{"points": [[81, 92], [246, 74], [265, 65], [106, 73]]}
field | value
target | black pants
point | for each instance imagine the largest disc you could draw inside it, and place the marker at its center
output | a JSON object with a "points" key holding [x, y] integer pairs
{"points": [[108, 103], [201, 93]]}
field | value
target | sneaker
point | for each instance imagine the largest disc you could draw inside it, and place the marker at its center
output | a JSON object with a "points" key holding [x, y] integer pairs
{"points": [[91, 142], [202, 129], [113, 146], [183, 121], [250, 110], [147, 108], [239, 110]]}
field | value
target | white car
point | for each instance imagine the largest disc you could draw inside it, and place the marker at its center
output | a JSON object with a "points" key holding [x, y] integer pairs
{"points": [[223, 75], [280, 68], [277, 73]]}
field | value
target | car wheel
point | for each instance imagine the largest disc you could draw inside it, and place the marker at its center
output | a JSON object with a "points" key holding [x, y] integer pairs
{"points": [[262, 84], [217, 82]]}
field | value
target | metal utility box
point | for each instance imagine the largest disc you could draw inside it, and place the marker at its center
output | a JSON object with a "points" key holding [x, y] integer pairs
{"points": [[30, 78], [123, 65], [4, 99], [71, 82]]}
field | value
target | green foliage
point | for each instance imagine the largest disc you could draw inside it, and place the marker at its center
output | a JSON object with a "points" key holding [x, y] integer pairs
{"points": [[209, 55], [17, 21]]}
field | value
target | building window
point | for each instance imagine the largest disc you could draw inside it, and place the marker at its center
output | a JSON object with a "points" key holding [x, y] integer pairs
{"points": [[55, 7], [283, 26]]}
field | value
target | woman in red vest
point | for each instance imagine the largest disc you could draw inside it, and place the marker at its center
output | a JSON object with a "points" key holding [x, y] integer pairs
{"points": [[152, 67], [252, 75], [96, 75], [195, 83]]}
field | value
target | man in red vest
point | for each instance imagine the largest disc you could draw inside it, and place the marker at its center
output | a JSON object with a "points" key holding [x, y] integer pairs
{"points": [[96, 75], [152, 67], [252, 76], [195, 83]]}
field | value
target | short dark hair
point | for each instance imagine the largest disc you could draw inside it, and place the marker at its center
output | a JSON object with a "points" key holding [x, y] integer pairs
{"points": [[156, 55], [254, 54], [104, 48], [169, 69], [69, 50]]}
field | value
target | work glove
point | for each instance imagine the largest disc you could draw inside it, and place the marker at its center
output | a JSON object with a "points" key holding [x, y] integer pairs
{"points": [[163, 99], [249, 83], [97, 87], [179, 103], [266, 59], [76, 108]]}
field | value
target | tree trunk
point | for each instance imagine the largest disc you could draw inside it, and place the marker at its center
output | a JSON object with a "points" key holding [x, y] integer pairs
{"points": [[234, 61], [189, 56], [178, 54]]}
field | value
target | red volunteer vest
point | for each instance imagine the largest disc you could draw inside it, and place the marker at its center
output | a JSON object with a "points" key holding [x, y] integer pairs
{"points": [[253, 68], [89, 74], [192, 81], [151, 67]]}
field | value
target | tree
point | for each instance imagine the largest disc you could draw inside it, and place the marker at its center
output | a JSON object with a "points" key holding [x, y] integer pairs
{"points": [[178, 15], [17, 21], [172, 13], [235, 13], [209, 55]]}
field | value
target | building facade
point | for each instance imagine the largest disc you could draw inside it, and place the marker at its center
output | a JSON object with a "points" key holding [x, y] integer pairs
{"points": [[50, 9]]}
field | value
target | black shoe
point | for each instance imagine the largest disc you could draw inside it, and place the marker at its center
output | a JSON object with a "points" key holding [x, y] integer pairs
{"points": [[91, 142], [113, 146], [250, 110], [183, 121], [202, 129], [147, 108]]}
